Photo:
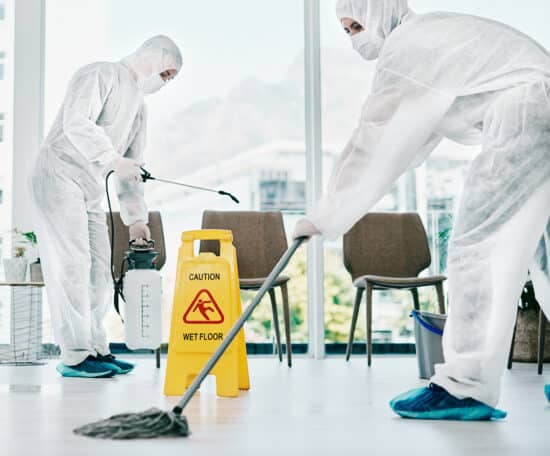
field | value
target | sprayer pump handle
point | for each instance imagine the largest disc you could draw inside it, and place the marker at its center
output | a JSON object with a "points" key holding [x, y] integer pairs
{"points": [[150, 244]]}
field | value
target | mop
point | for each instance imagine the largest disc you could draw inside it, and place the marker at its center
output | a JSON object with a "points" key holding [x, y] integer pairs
{"points": [[154, 422]]}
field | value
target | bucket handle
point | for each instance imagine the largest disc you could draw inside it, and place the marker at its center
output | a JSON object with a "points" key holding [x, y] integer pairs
{"points": [[416, 315]]}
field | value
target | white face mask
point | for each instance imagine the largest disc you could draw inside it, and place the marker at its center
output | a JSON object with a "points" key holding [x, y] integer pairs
{"points": [[366, 45], [153, 84]]}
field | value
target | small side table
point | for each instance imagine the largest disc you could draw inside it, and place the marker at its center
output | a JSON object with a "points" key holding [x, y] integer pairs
{"points": [[25, 325]]}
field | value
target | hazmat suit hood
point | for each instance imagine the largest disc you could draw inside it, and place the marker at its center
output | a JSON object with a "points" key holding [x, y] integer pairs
{"points": [[156, 55], [378, 17]]}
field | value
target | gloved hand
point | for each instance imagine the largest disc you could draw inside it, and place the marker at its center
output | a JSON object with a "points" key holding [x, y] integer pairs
{"points": [[127, 170], [140, 233], [304, 228]]}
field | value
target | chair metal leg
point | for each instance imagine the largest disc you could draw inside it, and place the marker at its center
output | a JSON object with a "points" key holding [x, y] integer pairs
{"points": [[542, 341], [369, 323], [414, 292], [286, 312], [357, 304], [157, 353], [511, 355], [273, 298], [440, 297]]}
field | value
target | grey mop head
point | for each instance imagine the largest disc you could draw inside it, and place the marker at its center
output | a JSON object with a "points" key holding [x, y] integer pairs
{"points": [[145, 425]]}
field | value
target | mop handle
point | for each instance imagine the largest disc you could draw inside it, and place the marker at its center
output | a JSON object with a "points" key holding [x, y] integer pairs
{"points": [[268, 283]]}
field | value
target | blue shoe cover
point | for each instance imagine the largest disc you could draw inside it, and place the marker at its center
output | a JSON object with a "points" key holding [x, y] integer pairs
{"points": [[435, 403], [89, 368], [123, 366], [547, 392]]}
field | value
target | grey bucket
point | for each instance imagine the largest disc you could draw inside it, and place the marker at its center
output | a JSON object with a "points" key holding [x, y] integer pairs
{"points": [[428, 332]]}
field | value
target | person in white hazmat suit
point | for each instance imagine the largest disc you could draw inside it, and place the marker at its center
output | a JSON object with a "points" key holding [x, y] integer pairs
{"points": [[474, 81], [100, 127]]}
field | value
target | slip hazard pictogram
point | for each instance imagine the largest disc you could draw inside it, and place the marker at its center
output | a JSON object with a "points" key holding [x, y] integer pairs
{"points": [[203, 310]]}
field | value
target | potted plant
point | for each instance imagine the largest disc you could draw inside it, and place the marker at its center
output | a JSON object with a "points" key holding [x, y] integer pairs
{"points": [[15, 268], [35, 268]]}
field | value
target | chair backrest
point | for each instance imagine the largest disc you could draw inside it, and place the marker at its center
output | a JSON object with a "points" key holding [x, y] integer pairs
{"points": [[122, 239], [259, 238], [386, 244]]}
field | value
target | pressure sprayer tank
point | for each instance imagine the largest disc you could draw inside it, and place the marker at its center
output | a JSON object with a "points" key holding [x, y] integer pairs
{"points": [[142, 293]]}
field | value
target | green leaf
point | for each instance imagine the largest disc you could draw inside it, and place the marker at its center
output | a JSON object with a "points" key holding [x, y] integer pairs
{"points": [[31, 237]]}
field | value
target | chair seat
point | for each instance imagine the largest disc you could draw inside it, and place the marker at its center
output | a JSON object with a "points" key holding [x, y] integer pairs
{"points": [[254, 284], [405, 283]]}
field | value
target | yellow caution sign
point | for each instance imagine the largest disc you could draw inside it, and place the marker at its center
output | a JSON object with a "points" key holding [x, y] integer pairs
{"points": [[207, 303]]}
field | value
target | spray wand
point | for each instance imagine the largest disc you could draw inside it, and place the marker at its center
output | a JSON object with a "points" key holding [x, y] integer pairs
{"points": [[146, 175]]}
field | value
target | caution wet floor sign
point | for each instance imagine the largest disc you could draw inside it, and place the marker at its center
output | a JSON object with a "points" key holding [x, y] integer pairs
{"points": [[206, 305]]}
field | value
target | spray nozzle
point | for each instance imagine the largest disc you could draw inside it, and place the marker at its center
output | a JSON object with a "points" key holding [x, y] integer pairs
{"points": [[233, 197]]}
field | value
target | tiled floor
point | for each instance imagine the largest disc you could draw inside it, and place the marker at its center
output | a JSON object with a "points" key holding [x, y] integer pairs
{"points": [[317, 408]]}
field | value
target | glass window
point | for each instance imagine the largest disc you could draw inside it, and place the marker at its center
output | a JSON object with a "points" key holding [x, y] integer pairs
{"points": [[431, 190], [233, 119], [346, 81]]}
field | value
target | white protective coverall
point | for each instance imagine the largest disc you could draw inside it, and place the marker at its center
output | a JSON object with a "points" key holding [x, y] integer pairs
{"points": [[474, 81], [102, 118]]}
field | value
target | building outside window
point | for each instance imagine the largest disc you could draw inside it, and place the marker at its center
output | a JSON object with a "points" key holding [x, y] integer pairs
{"points": [[279, 193]]}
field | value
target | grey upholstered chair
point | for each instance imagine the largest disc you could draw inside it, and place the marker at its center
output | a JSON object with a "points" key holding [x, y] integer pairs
{"points": [[387, 251], [122, 240], [260, 241]]}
